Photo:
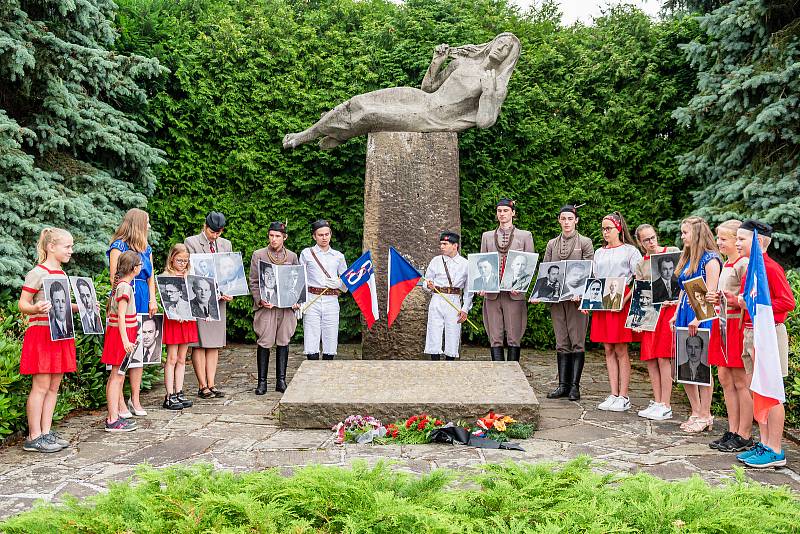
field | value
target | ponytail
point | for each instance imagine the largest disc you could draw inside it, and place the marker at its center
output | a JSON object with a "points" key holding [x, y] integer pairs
{"points": [[49, 235]]}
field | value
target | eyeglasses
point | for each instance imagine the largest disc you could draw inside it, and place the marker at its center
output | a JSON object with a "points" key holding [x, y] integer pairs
{"points": [[608, 228], [649, 239], [139, 265], [180, 261]]}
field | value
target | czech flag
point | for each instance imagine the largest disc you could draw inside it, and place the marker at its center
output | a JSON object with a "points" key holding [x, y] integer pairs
{"points": [[360, 281], [767, 384], [402, 279]]}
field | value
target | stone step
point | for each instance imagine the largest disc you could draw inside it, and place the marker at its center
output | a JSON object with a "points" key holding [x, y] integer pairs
{"points": [[322, 393]]}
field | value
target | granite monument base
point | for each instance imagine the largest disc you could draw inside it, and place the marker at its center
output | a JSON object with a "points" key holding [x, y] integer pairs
{"points": [[322, 393]]}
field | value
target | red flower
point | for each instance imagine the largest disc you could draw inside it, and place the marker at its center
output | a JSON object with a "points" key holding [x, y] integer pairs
{"points": [[421, 425], [438, 422]]}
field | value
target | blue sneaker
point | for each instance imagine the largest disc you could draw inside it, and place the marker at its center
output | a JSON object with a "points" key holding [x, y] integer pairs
{"points": [[748, 453], [766, 457]]}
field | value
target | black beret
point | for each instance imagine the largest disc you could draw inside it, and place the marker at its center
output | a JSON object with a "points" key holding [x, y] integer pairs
{"points": [[506, 202], [450, 237], [321, 223], [215, 220], [569, 208], [277, 226], [762, 227]]}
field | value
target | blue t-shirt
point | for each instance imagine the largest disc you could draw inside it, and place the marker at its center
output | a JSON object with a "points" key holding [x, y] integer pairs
{"points": [[685, 314], [140, 287]]}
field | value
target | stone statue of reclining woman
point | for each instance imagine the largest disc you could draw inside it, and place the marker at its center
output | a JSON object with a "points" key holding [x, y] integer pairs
{"points": [[468, 92]]}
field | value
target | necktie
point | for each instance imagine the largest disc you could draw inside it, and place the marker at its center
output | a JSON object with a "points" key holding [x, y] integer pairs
{"points": [[212, 247]]}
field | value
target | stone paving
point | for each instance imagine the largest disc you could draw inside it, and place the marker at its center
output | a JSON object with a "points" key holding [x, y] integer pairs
{"points": [[240, 432]]}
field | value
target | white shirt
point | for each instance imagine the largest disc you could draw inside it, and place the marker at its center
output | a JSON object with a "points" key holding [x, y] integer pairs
{"points": [[332, 260], [459, 271], [614, 262]]}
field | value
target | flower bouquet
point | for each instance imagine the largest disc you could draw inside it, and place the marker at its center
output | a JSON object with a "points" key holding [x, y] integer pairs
{"points": [[359, 429], [501, 428]]}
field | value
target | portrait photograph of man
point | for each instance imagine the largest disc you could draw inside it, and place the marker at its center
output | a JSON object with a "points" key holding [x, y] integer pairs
{"points": [[592, 295], [203, 297], [268, 287], [88, 309], [175, 297], [696, 293], [484, 268], [519, 271], [549, 282], [692, 356], [56, 292], [665, 281], [202, 264], [577, 272], [229, 269], [291, 280], [643, 314], [612, 294], [150, 339]]}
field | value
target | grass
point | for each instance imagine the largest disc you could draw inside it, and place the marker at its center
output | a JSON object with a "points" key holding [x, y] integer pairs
{"points": [[500, 498]]}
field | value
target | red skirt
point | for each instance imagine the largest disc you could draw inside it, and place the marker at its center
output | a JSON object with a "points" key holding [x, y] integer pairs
{"points": [[179, 332], [609, 326], [41, 355], [658, 344], [113, 349], [735, 344]]}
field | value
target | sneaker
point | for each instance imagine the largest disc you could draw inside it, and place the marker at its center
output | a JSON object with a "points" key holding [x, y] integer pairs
{"points": [[719, 441], [182, 398], [766, 457], [746, 454], [646, 411], [55, 438], [621, 404], [606, 404], [660, 413], [171, 402], [41, 444], [736, 444], [121, 425]]}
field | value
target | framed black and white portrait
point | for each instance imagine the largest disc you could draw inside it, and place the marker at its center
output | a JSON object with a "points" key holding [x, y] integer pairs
{"points": [[203, 297], [577, 272], [664, 278], [696, 290], [484, 272], [691, 356], [643, 314], [202, 264], [174, 293], [268, 284], [149, 339], [88, 309], [291, 282], [593, 294], [519, 271], [229, 269], [549, 281], [613, 293], [56, 292]]}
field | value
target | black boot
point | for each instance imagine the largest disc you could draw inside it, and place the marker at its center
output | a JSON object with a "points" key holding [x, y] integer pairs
{"points": [[262, 363], [435, 357], [578, 359], [450, 358], [328, 356], [312, 356], [563, 360], [513, 354], [497, 354], [281, 361]]}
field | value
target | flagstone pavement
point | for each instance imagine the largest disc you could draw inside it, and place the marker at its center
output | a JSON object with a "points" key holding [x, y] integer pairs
{"points": [[240, 433]]}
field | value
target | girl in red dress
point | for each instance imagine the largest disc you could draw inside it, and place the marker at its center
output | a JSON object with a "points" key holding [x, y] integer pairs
{"points": [[46, 360], [120, 336], [656, 346], [178, 333]]}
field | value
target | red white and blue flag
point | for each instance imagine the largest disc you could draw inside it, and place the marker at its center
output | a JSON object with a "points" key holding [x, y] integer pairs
{"points": [[360, 281], [402, 279], [767, 383]]}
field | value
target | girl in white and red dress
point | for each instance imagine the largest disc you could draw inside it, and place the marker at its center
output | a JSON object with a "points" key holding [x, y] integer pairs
{"points": [[120, 336], [44, 359], [730, 367], [656, 346], [618, 258], [177, 336]]}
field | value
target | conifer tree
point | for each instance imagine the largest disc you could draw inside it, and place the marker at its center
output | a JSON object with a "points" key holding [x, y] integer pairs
{"points": [[747, 107], [69, 154]]}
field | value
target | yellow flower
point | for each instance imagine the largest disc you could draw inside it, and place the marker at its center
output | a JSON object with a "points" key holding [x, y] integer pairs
{"points": [[500, 425], [508, 419]]}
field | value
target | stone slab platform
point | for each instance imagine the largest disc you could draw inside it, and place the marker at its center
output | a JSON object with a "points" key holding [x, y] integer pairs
{"points": [[323, 393]]}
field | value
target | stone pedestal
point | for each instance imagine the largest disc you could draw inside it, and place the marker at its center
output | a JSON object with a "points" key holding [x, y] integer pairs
{"points": [[322, 393], [411, 195]]}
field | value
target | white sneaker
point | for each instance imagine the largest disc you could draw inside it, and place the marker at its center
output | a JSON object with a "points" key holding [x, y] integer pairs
{"points": [[608, 403], [621, 404], [648, 410], [660, 413]]}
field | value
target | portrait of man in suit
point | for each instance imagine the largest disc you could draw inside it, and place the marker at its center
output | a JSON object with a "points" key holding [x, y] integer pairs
{"points": [[593, 295], [551, 281], [519, 271], [60, 314], [643, 314], [268, 285], [665, 285], [291, 285], [484, 267], [230, 278], [203, 301], [150, 330], [175, 297], [612, 299], [695, 369], [91, 323], [578, 271]]}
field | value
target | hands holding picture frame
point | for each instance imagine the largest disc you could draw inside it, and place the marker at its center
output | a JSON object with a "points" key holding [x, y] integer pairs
{"points": [[559, 281]]}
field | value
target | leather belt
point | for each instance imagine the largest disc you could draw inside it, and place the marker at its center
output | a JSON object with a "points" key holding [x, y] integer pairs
{"points": [[326, 291], [449, 290]]}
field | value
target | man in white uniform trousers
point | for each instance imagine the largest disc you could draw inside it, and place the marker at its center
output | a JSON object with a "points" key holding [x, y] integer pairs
{"points": [[446, 278], [324, 265]]}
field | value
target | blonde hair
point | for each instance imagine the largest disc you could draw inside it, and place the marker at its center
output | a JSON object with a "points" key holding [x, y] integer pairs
{"points": [[133, 230], [177, 248], [642, 228], [126, 264], [730, 226], [701, 241], [46, 237]]}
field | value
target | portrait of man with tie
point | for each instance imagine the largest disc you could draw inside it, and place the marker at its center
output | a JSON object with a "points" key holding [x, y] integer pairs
{"points": [[150, 336], [86, 298], [550, 282], [483, 269], [203, 297], [57, 294], [692, 357], [519, 271], [665, 283]]}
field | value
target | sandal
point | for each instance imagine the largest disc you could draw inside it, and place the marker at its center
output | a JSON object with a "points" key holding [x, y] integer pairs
{"points": [[688, 422], [699, 425], [217, 393], [205, 393]]}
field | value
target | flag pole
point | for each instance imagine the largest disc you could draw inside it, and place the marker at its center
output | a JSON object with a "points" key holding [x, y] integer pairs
{"points": [[307, 306], [454, 306]]}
